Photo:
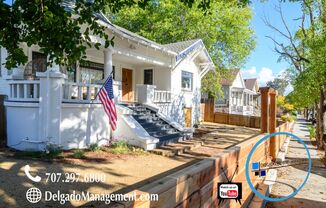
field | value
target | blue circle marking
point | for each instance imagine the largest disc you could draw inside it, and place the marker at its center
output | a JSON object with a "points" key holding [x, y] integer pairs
{"points": [[250, 156]]}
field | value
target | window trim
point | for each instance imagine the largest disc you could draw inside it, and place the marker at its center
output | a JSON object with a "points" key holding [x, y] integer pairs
{"points": [[192, 81]]}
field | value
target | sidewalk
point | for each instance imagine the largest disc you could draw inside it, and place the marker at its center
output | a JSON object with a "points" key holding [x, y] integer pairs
{"points": [[313, 194]]}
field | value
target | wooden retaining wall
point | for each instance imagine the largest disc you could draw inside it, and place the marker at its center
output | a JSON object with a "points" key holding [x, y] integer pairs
{"points": [[196, 185], [233, 119]]}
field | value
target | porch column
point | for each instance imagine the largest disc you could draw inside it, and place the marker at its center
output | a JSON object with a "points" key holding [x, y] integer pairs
{"points": [[107, 62]]}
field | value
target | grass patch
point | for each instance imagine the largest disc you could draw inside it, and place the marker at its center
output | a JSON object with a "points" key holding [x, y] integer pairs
{"points": [[122, 147], [94, 147], [78, 154]]}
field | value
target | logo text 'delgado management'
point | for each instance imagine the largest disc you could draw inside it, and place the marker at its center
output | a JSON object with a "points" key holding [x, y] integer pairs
{"points": [[34, 195]]}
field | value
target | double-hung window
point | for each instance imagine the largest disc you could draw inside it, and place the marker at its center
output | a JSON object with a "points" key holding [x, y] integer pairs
{"points": [[186, 80]]}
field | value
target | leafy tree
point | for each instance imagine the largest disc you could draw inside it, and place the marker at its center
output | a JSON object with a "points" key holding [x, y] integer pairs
{"points": [[306, 52], [224, 28], [279, 84], [57, 30], [284, 103]]}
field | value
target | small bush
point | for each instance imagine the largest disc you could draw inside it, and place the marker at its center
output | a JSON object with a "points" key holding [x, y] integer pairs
{"points": [[53, 150], [120, 147], [94, 147], [312, 132], [288, 118], [78, 154]]}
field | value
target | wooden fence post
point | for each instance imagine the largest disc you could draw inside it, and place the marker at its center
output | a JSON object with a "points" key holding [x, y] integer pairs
{"points": [[264, 109], [274, 144]]}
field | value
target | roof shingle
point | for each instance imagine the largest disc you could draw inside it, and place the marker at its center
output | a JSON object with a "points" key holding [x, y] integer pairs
{"points": [[180, 46], [250, 83], [229, 79]]}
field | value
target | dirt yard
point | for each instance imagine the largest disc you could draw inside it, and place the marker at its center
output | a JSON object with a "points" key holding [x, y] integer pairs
{"points": [[122, 172], [127, 171]]}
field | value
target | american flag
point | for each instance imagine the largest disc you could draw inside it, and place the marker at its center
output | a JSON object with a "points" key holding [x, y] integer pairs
{"points": [[107, 99]]}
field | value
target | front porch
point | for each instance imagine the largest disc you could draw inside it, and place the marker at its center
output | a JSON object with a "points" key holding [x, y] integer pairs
{"points": [[241, 101], [52, 110]]}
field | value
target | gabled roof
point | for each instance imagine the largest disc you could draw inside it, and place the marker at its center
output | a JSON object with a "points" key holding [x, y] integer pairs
{"points": [[229, 80], [250, 83], [178, 47], [70, 5]]}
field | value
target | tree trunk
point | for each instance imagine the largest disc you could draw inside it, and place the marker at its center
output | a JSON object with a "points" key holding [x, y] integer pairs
{"points": [[317, 104], [320, 120], [323, 116], [306, 113]]}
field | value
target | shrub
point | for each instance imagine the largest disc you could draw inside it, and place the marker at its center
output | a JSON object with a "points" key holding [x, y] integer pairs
{"points": [[312, 132], [94, 147], [288, 118], [120, 147], [78, 154], [53, 150]]}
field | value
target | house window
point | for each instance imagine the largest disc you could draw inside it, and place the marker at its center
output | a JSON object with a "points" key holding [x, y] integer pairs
{"points": [[186, 80], [91, 72], [39, 61], [148, 76]]}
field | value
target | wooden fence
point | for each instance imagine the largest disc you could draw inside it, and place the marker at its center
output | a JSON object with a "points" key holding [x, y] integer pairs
{"points": [[208, 115]]}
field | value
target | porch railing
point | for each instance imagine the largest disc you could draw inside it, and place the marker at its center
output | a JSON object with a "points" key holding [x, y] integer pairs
{"points": [[24, 90], [236, 109], [162, 96], [80, 93]]}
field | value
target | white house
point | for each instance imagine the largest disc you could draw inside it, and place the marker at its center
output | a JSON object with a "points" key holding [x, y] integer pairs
{"points": [[53, 106], [240, 95]]}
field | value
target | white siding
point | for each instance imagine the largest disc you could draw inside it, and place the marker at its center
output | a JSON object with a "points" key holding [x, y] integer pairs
{"points": [[183, 98]]}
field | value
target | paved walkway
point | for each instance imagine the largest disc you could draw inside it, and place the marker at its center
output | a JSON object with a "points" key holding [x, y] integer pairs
{"points": [[313, 194]]}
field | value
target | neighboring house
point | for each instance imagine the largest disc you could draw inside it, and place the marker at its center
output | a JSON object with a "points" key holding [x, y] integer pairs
{"points": [[240, 95], [252, 85], [52, 106]]}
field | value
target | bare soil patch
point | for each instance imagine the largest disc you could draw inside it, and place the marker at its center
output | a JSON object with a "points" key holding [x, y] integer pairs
{"points": [[122, 172]]}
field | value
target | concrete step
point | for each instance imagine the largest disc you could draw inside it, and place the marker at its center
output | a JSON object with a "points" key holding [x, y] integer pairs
{"points": [[179, 148]]}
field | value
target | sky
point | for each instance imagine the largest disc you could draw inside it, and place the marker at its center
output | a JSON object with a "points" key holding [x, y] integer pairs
{"points": [[263, 61]]}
